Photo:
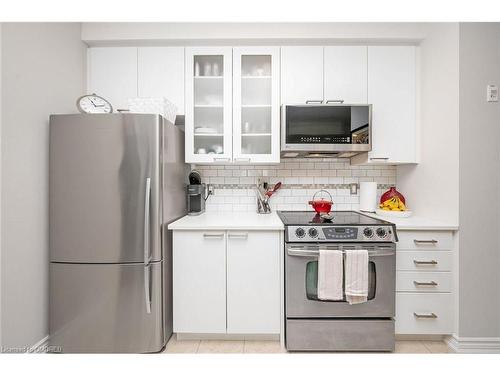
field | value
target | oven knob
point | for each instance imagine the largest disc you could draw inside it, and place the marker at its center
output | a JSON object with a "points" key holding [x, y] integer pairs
{"points": [[313, 232], [368, 232], [299, 232], [381, 232]]}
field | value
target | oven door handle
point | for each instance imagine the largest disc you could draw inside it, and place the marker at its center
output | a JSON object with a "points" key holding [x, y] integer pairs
{"points": [[314, 253]]}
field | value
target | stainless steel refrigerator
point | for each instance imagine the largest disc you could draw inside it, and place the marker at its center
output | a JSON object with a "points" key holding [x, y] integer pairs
{"points": [[116, 182]]}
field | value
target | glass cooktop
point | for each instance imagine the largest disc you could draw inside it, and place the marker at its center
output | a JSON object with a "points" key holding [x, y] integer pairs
{"points": [[338, 218]]}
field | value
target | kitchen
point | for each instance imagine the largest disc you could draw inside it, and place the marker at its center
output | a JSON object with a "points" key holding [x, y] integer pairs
{"points": [[225, 188]]}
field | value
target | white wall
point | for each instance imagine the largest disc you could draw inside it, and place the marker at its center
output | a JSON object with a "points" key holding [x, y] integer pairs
{"points": [[479, 263], [240, 33], [43, 72], [431, 187]]}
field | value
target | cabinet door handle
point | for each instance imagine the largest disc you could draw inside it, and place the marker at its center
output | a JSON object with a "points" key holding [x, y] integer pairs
{"points": [[314, 101], [379, 158], [424, 262], [222, 159], [219, 236], [242, 236], [418, 242], [335, 101], [430, 283], [242, 159], [425, 316]]}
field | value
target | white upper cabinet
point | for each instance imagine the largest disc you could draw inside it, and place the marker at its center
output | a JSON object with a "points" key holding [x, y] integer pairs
{"points": [[112, 74], [392, 93], [161, 74], [256, 105], [346, 74], [301, 75], [208, 86]]}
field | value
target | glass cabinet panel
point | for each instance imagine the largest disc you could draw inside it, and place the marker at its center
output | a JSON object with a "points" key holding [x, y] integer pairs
{"points": [[208, 104], [256, 111], [208, 112]]}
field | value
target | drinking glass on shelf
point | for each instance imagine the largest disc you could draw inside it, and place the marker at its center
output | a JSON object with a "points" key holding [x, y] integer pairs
{"points": [[246, 127], [207, 69], [215, 69]]}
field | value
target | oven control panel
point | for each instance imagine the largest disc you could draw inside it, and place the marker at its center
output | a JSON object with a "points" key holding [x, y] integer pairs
{"points": [[325, 233], [340, 233]]}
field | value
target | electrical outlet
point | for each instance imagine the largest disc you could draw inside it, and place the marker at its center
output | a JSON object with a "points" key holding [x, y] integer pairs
{"points": [[354, 189], [492, 93], [211, 190]]}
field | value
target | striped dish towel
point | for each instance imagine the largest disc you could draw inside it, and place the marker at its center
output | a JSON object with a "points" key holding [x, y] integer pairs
{"points": [[356, 276]]}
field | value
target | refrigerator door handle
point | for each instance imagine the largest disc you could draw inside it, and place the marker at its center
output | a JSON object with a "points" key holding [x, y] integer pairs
{"points": [[147, 200], [147, 289]]}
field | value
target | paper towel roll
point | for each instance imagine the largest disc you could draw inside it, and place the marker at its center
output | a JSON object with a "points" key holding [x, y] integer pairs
{"points": [[368, 196]]}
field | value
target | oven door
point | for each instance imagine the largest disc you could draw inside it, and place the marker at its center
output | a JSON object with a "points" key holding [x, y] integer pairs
{"points": [[301, 276]]}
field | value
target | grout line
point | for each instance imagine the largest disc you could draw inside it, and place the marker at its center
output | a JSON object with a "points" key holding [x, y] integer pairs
{"points": [[198, 347], [430, 350]]}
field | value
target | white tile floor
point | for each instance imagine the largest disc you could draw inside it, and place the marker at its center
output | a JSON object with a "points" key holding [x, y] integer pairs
{"points": [[273, 347]]}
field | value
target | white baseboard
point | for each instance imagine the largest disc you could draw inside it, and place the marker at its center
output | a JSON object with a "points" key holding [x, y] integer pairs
{"points": [[38, 346], [477, 345]]}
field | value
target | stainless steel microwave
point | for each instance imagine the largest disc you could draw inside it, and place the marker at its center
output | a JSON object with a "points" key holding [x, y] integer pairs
{"points": [[325, 130]]}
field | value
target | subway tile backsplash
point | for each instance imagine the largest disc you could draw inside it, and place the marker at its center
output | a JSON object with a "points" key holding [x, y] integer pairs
{"points": [[301, 178]]}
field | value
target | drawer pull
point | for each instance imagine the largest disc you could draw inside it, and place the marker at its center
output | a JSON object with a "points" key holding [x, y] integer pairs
{"points": [[222, 159], [425, 262], [425, 316], [419, 242], [430, 283], [312, 101], [219, 236], [379, 158], [242, 236]]}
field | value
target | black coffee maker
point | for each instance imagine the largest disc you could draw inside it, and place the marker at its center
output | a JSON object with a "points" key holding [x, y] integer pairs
{"points": [[197, 194]]}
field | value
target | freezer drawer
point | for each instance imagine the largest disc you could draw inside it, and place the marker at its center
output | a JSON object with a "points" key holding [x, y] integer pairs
{"points": [[103, 308], [340, 335]]}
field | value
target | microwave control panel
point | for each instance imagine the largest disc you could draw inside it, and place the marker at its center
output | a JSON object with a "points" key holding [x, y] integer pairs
{"points": [[329, 139]]}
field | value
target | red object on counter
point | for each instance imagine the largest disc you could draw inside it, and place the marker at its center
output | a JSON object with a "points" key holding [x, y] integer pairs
{"points": [[271, 192], [321, 205], [392, 192]]}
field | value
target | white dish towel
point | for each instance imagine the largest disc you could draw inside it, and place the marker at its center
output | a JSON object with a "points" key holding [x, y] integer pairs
{"points": [[356, 276], [330, 275]]}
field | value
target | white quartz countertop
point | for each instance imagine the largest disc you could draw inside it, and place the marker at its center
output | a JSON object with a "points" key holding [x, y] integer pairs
{"points": [[228, 221], [415, 222], [254, 221]]}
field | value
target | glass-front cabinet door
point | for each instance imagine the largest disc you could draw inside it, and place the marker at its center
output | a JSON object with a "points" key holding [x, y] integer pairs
{"points": [[256, 105], [208, 105]]}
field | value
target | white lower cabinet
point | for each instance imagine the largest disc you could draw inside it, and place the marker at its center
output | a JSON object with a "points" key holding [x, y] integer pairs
{"points": [[419, 313], [253, 290], [226, 282], [199, 282], [424, 283]]}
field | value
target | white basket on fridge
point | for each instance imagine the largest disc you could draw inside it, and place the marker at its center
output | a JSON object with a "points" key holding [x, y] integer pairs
{"points": [[161, 106]]}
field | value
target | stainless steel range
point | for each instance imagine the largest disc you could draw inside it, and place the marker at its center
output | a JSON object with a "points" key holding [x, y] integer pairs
{"points": [[319, 325]]}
